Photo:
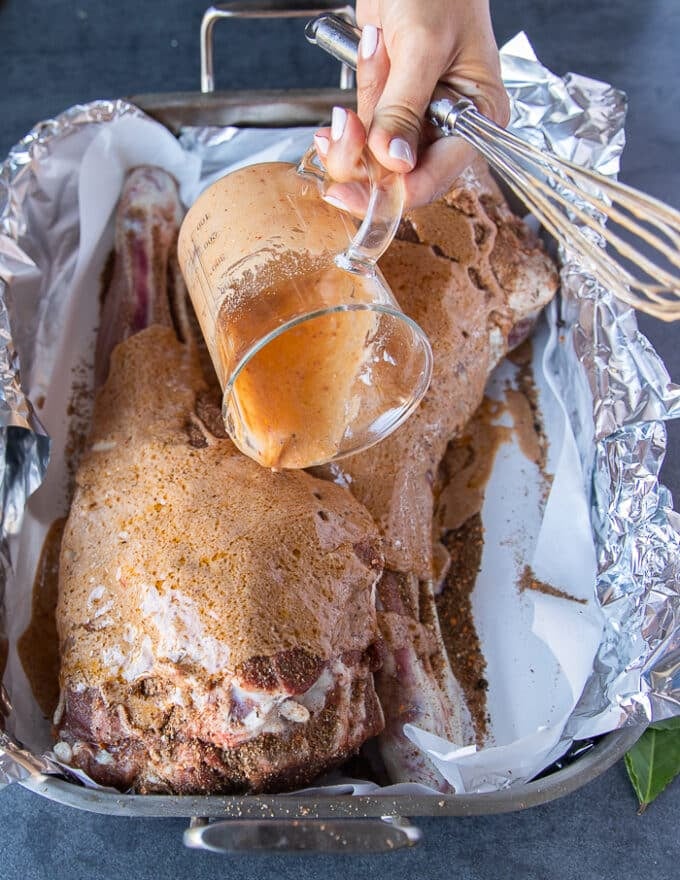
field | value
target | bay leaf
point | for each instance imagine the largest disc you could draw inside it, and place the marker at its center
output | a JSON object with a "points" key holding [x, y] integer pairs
{"points": [[654, 760]]}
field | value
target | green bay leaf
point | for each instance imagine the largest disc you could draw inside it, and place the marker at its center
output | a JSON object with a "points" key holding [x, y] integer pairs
{"points": [[667, 724], [654, 760]]}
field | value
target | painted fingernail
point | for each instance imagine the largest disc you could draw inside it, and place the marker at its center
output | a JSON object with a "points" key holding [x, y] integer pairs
{"points": [[322, 143], [338, 122], [337, 203], [369, 40], [400, 149]]}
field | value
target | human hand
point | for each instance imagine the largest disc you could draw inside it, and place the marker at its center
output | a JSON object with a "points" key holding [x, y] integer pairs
{"points": [[406, 48]]}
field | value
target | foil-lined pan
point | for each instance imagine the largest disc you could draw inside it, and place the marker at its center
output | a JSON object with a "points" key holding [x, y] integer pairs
{"points": [[621, 396]]}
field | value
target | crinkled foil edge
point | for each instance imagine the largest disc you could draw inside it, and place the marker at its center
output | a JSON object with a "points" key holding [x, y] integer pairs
{"points": [[24, 445], [622, 397]]}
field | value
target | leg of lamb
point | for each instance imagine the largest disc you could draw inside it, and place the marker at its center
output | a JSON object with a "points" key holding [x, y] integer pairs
{"points": [[217, 621]]}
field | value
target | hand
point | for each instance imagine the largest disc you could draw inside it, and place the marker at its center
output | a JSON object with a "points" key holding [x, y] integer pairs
{"points": [[406, 48]]}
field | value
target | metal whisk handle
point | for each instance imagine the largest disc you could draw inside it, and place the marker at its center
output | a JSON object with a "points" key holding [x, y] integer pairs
{"points": [[336, 36], [630, 241], [341, 40]]}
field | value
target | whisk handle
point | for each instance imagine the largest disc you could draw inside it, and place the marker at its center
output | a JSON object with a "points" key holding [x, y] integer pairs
{"points": [[341, 40], [335, 35]]}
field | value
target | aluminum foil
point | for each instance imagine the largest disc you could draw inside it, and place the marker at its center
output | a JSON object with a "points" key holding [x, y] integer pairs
{"points": [[618, 390], [622, 394]]}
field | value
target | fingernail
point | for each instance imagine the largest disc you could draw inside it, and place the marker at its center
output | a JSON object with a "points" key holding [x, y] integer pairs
{"points": [[369, 40], [400, 149], [322, 143], [338, 122], [337, 203]]}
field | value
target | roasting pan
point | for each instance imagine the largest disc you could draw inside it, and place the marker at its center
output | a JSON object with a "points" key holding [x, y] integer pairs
{"points": [[342, 823]]}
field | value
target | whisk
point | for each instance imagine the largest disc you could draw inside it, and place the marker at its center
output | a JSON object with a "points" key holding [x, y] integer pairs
{"points": [[630, 240]]}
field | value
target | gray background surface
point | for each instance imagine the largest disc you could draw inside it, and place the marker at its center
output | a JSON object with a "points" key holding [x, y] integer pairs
{"points": [[54, 54]]}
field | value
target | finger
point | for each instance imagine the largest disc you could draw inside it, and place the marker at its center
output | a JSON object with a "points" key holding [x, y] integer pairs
{"points": [[367, 12], [322, 141], [350, 196], [400, 112], [347, 138], [486, 91], [372, 72], [476, 72], [440, 164], [446, 158]]}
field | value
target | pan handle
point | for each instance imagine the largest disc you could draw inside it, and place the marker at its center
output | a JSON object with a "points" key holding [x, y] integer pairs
{"points": [[302, 835], [268, 9]]}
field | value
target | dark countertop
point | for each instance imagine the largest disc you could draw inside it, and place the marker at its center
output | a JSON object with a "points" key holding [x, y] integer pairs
{"points": [[55, 54]]}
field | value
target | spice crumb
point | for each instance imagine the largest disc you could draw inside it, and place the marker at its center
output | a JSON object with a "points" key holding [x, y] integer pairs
{"points": [[454, 606], [529, 581]]}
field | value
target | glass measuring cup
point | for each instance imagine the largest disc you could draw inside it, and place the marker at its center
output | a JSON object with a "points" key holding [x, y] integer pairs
{"points": [[315, 357]]}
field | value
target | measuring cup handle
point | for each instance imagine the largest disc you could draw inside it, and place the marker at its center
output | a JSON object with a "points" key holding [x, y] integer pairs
{"points": [[385, 206], [377, 197]]}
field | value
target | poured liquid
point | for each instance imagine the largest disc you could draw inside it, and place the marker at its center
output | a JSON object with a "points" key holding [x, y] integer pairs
{"points": [[311, 393]]}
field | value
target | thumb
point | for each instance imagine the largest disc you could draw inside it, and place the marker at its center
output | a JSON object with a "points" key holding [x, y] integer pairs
{"points": [[399, 115]]}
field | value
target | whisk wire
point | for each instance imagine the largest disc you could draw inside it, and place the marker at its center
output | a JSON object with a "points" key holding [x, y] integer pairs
{"points": [[583, 180], [573, 204]]}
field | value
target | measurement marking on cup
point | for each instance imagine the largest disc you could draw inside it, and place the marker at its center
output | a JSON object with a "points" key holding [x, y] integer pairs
{"points": [[210, 241], [218, 262]]}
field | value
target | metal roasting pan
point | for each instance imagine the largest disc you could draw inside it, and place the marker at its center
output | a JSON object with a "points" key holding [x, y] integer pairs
{"points": [[295, 823]]}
